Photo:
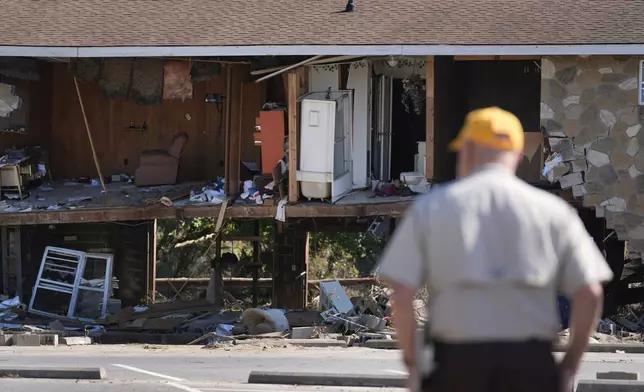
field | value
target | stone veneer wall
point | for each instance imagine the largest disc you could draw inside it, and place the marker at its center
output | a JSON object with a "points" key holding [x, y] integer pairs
{"points": [[590, 114]]}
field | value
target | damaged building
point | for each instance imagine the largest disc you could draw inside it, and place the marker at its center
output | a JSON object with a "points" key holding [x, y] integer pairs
{"points": [[108, 126]]}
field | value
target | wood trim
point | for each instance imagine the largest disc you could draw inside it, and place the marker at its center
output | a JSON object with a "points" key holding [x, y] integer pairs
{"points": [[429, 126], [152, 260], [474, 58], [234, 153], [203, 211], [394, 209], [536, 58], [293, 89], [228, 128], [495, 58]]}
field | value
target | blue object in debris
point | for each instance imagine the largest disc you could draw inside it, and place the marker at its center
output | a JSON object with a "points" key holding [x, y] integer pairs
{"points": [[564, 311]]}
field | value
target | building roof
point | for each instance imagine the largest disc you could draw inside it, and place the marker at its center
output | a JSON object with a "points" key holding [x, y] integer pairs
{"points": [[100, 23]]}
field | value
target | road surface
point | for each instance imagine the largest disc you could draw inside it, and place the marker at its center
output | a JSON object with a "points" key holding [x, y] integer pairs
{"points": [[195, 369]]}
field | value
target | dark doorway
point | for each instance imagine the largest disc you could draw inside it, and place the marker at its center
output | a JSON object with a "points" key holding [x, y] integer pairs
{"points": [[462, 86], [408, 128]]}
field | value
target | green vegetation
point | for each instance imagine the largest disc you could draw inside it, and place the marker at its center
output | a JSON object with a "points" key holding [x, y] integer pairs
{"points": [[185, 248]]}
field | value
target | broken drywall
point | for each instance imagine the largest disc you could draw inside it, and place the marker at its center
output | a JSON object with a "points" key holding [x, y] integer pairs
{"points": [[9, 101]]}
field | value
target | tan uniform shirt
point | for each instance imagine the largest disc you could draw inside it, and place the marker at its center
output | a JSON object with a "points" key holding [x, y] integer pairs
{"points": [[494, 253]]}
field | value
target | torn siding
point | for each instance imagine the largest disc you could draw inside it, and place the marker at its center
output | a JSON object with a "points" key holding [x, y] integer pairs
{"points": [[591, 116]]}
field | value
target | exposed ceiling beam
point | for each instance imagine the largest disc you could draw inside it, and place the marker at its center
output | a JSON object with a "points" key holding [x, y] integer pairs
{"points": [[290, 67]]}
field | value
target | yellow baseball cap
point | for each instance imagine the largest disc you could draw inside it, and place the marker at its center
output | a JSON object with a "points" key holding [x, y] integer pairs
{"points": [[491, 127]]}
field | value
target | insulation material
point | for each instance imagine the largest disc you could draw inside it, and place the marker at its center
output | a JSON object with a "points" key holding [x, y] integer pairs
{"points": [[9, 101], [202, 71], [176, 80], [85, 70], [19, 68], [116, 78], [147, 82]]}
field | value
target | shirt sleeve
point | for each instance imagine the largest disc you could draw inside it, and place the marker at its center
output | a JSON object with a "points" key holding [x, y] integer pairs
{"points": [[582, 262], [402, 261]]}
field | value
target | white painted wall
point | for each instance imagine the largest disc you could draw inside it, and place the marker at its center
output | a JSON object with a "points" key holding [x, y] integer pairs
{"points": [[321, 79], [359, 82]]}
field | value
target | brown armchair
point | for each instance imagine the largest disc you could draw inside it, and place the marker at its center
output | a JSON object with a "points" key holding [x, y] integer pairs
{"points": [[160, 167]]}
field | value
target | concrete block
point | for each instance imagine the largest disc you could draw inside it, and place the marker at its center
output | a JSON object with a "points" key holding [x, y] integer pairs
{"points": [[25, 340], [302, 332], [6, 340], [317, 343], [53, 373], [618, 376], [77, 341], [609, 386], [381, 344], [49, 340], [328, 379]]}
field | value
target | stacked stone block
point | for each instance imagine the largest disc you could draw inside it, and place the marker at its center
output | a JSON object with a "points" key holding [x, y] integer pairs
{"points": [[591, 116]]}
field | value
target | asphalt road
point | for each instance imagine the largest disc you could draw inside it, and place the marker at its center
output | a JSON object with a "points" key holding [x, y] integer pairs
{"points": [[193, 369]]}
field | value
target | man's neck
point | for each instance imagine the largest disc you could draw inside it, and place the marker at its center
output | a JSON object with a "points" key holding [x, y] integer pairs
{"points": [[491, 166]]}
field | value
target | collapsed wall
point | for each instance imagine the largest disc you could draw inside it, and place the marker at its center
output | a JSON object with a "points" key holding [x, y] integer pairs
{"points": [[591, 117]]}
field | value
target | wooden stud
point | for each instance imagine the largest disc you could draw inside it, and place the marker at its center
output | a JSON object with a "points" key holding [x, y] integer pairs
{"points": [[293, 89], [519, 58], [474, 58], [429, 125], [152, 259], [256, 263], [89, 136], [228, 128], [495, 58], [234, 155]]}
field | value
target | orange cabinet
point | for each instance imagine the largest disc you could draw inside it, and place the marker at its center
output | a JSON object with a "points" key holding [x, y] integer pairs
{"points": [[270, 131]]}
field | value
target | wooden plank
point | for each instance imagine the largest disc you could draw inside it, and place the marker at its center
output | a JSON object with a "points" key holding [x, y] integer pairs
{"points": [[293, 89], [118, 148], [474, 58], [429, 125], [496, 58], [261, 282], [237, 118], [248, 238], [230, 71], [152, 259], [205, 211], [520, 58]]}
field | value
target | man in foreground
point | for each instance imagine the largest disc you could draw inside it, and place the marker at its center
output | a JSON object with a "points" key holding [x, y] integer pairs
{"points": [[493, 252]]}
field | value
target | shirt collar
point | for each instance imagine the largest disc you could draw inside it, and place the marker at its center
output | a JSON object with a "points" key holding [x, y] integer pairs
{"points": [[491, 167]]}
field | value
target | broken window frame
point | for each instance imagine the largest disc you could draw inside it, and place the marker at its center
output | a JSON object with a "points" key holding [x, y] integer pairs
{"points": [[80, 258]]}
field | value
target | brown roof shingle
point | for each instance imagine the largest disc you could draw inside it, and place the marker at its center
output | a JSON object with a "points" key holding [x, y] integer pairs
{"points": [[319, 22]]}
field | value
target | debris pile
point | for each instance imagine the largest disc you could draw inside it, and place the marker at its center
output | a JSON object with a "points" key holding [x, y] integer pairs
{"points": [[343, 319]]}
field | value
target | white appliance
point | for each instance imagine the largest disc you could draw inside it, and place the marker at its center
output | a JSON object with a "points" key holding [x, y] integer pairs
{"points": [[420, 158], [325, 145]]}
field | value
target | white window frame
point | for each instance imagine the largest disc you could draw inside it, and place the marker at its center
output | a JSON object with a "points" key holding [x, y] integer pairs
{"points": [[640, 85]]}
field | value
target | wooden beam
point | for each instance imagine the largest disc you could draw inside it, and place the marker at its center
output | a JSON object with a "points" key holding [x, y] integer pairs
{"points": [[257, 229], [261, 282], [429, 114], [474, 58], [247, 238], [536, 58], [228, 128], [89, 136], [293, 89], [495, 58], [234, 155], [152, 259]]}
